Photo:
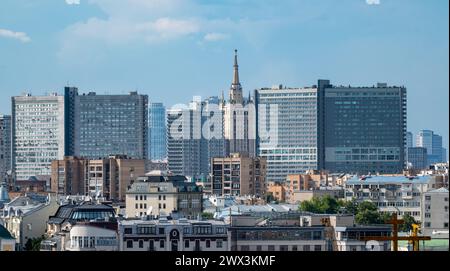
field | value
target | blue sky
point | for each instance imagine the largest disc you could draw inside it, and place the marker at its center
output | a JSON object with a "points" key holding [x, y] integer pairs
{"points": [[174, 49]]}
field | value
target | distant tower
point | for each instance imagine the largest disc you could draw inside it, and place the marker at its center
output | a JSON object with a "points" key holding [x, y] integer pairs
{"points": [[236, 88]]}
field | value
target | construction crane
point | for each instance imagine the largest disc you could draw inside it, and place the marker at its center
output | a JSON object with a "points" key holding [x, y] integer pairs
{"points": [[395, 238], [414, 233]]}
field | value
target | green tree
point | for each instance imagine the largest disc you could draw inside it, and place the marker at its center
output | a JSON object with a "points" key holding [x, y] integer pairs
{"points": [[350, 207], [34, 244], [206, 215], [408, 221], [320, 205], [367, 214]]}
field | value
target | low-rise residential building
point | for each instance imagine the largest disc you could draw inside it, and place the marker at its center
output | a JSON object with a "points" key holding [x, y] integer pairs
{"points": [[391, 194], [159, 193], [435, 211], [173, 235], [109, 177], [305, 195], [277, 238], [238, 175], [68, 176], [312, 179], [25, 217], [277, 190], [349, 238]]}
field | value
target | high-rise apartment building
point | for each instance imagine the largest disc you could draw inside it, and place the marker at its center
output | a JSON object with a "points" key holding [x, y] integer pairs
{"points": [[38, 134], [5, 147], [287, 127], [111, 125], [363, 128], [157, 131], [238, 175]]}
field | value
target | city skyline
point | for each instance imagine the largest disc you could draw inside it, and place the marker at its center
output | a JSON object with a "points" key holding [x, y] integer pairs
{"points": [[194, 41]]}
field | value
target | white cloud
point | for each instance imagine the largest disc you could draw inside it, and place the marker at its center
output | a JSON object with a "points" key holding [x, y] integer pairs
{"points": [[373, 2], [21, 36], [215, 36], [72, 2]]}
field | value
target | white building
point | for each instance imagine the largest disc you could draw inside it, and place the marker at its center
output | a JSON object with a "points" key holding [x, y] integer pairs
{"points": [[287, 127], [87, 226], [88, 237], [173, 235], [399, 194], [37, 134], [435, 212]]}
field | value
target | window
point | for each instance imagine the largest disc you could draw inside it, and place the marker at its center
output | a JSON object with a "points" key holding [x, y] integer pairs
{"points": [[161, 243], [427, 197], [283, 248], [145, 197], [258, 248], [271, 248], [140, 197], [428, 215], [219, 243], [197, 245], [208, 243], [161, 231], [446, 225], [128, 231], [427, 224], [159, 197], [141, 243], [306, 248], [245, 248], [129, 243], [186, 243], [445, 199], [317, 248], [164, 197], [137, 206], [136, 197], [294, 248], [151, 245], [164, 206]]}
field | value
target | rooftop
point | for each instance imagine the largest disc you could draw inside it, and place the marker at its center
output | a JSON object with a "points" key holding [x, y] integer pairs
{"points": [[388, 179]]}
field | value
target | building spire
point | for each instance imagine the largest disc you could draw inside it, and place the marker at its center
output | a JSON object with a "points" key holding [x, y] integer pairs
{"points": [[236, 69], [236, 89]]}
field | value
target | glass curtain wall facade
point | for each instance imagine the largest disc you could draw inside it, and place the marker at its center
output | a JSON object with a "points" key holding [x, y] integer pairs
{"points": [[364, 129], [111, 125], [157, 131]]}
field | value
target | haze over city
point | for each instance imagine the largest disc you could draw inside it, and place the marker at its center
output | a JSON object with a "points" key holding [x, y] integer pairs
{"points": [[175, 49]]}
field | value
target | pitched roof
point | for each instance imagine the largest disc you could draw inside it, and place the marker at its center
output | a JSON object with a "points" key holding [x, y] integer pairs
{"points": [[440, 190], [4, 233]]}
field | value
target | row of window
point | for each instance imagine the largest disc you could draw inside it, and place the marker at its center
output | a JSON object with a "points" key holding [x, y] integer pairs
{"points": [[187, 244]]}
